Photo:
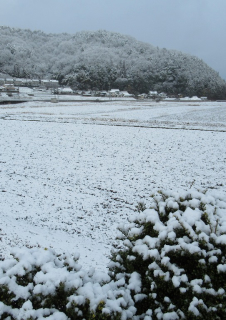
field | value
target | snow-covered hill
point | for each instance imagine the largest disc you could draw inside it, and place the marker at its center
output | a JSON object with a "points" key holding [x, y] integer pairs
{"points": [[103, 60]]}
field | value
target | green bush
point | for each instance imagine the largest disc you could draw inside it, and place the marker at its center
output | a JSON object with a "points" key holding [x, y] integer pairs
{"points": [[38, 284], [169, 263], [172, 257]]}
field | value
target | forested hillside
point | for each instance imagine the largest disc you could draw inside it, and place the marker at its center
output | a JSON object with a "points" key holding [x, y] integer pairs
{"points": [[104, 60]]}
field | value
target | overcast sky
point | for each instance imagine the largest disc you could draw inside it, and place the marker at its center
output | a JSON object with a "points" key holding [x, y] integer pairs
{"points": [[197, 27]]}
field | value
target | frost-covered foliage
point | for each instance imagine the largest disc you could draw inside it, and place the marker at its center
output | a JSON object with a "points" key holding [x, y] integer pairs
{"points": [[172, 257], [38, 284], [169, 263], [103, 60]]}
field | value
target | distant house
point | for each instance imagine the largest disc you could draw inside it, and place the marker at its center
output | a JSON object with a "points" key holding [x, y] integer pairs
{"points": [[29, 82], [44, 82], [153, 94], [114, 92], [24, 82], [9, 81], [18, 82], [163, 95], [103, 93], [35, 83], [195, 98], [142, 96], [125, 94], [9, 87], [65, 90], [87, 93], [50, 83], [54, 83]]}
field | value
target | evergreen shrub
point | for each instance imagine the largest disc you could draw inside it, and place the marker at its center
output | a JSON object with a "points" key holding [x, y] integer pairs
{"points": [[168, 263], [39, 284], [172, 257]]}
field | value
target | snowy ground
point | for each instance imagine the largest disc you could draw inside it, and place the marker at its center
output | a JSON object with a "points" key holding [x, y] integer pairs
{"points": [[71, 172]]}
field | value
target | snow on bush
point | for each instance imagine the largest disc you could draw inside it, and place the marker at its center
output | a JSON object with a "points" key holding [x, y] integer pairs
{"points": [[169, 264], [38, 284], [172, 257]]}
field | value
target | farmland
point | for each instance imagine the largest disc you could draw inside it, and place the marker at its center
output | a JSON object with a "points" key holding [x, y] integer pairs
{"points": [[71, 172]]}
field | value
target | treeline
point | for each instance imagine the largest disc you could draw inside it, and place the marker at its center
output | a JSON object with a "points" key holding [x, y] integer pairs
{"points": [[103, 60]]}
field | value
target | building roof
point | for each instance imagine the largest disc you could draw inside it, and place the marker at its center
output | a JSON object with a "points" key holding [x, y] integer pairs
{"points": [[114, 90], [66, 90]]}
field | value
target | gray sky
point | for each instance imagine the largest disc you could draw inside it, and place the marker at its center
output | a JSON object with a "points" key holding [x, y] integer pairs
{"points": [[197, 27]]}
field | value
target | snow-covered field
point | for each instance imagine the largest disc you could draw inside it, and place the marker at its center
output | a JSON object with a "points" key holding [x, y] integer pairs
{"points": [[71, 172]]}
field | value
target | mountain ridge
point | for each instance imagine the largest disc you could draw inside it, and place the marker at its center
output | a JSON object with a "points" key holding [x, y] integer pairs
{"points": [[103, 60]]}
